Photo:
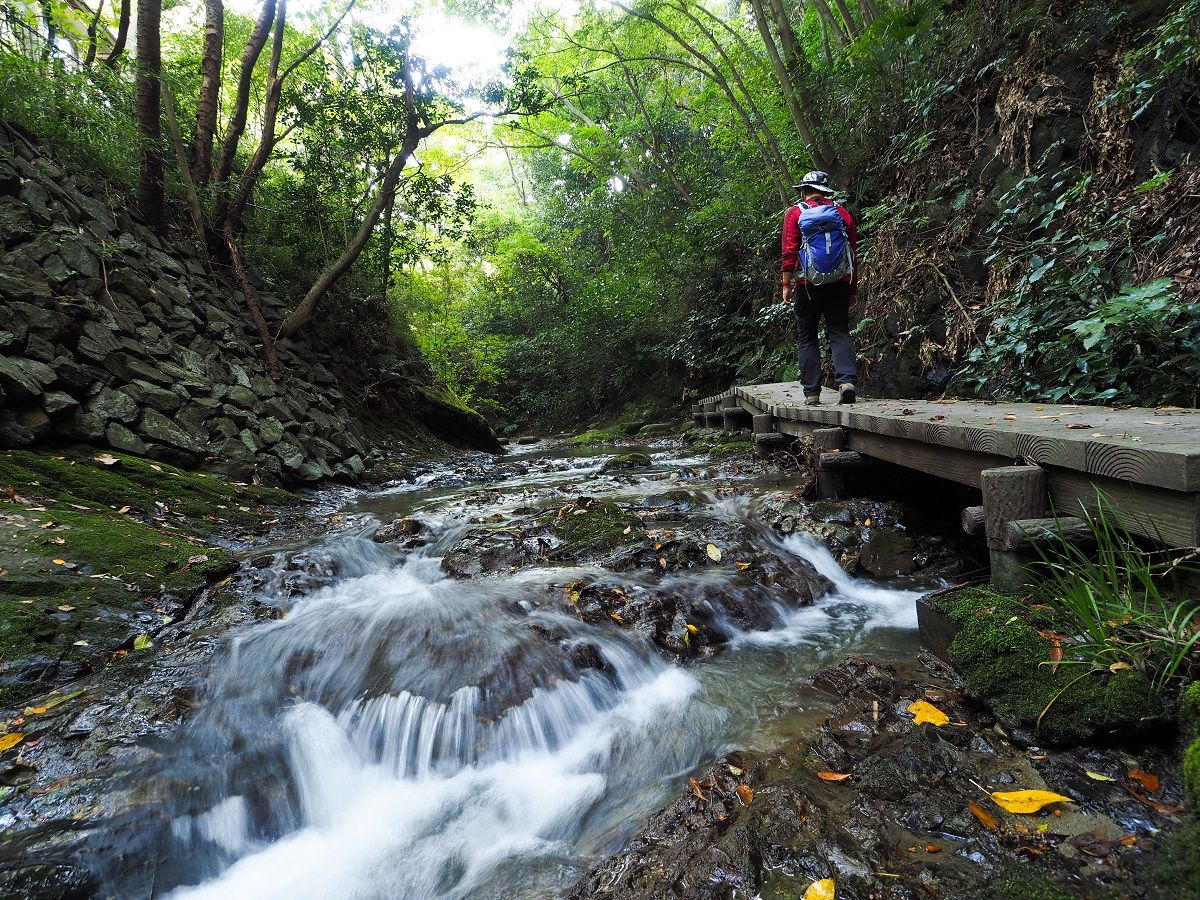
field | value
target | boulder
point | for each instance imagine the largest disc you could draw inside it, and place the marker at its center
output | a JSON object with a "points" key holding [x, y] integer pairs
{"points": [[121, 438], [396, 530], [113, 404], [154, 426], [24, 379], [57, 404]]}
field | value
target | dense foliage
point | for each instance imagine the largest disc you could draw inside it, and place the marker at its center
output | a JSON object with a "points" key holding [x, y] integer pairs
{"points": [[1021, 172]]}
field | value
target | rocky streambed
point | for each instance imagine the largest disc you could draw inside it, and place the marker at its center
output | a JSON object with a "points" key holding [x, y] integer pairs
{"points": [[584, 672]]}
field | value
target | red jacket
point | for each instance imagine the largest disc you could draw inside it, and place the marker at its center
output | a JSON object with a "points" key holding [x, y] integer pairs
{"points": [[791, 240]]}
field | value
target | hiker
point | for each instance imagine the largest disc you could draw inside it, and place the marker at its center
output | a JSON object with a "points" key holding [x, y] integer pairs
{"points": [[820, 280]]}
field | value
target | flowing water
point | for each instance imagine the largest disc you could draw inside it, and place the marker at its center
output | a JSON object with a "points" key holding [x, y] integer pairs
{"points": [[399, 734]]}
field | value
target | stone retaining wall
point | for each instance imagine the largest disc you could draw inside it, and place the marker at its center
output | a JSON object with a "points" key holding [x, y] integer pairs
{"points": [[113, 336]]}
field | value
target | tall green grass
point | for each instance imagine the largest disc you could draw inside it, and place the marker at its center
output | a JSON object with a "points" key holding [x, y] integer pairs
{"points": [[1122, 607]]}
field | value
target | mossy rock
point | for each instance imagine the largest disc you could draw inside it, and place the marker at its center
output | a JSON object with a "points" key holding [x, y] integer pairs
{"points": [[594, 528], [1006, 663], [1189, 712], [452, 420], [1023, 885], [599, 436], [628, 461], [731, 448], [1174, 873], [1191, 771]]}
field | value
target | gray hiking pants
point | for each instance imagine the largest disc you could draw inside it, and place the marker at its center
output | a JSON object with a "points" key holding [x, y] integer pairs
{"points": [[830, 302]]}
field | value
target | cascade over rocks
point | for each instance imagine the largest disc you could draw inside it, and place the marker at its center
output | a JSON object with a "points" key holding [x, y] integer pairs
{"points": [[113, 336]]}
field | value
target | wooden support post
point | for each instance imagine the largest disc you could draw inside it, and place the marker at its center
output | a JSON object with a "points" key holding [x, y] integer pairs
{"points": [[698, 414], [713, 417], [767, 442], [830, 484], [736, 418], [972, 519], [762, 424], [846, 459], [1010, 492]]}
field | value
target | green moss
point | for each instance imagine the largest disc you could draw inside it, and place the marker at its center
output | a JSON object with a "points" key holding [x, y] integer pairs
{"points": [[1025, 885], [731, 448], [78, 476], [599, 436], [1191, 771], [1175, 871], [602, 526], [1004, 661], [1189, 712], [628, 461]]}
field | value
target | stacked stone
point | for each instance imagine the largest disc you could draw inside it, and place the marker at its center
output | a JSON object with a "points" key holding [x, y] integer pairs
{"points": [[113, 336]]}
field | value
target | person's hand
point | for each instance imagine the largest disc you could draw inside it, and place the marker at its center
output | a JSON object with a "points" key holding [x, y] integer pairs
{"points": [[787, 292]]}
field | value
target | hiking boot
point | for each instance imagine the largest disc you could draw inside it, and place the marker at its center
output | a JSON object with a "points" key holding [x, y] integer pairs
{"points": [[812, 399], [847, 392]]}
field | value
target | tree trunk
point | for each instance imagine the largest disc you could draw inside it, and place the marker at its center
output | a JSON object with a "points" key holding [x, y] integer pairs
{"points": [[870, 12], [784, 79], [303, 312], [195, 210], [93, 27], [852, 28], [241, 107], [831, 21], [149, 112], [210, 90], [270, 357], [122, 37]]}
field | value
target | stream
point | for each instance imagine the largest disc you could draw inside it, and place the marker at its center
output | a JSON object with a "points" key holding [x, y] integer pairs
{"points": [[398, 732]]}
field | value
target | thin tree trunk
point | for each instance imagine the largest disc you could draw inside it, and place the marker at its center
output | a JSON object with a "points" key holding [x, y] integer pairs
{"points": [[831, 21], [270, 357], [388, 239], [652, 143], [122, 37], [51, 30], [149, 112], [870, 12], [852, 28], [773, 158], [241, 107], [825, 41], [93, 27], [784, 79], [210, 90], [517, 183], [195, 210], [304, 311]]}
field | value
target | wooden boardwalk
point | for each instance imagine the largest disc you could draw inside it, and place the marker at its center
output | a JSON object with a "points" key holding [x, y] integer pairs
{"points": [[1147, 461]]}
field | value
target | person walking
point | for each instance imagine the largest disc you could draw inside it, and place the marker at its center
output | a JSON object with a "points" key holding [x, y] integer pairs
{"points": [[820, 281]]}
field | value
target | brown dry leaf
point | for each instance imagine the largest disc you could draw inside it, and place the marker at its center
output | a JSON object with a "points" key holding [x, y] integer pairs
{"points": [[1029, 801], [743, 566], [746, 794], [932, 848], [1056, 656], [986, 819], [696, 789], [1011, 418], [65, 608], [927, 712], [616, 618], [106, 459], [1148, 780], [628, 528], [834, 776], [1118, 666]]}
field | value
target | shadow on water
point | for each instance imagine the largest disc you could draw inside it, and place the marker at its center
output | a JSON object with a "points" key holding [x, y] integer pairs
{"points": [[402, 734]]}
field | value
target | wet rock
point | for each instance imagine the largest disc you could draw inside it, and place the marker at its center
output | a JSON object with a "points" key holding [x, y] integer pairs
{"points": [[397, 529], [527, 439], [627, 461], [485, 551], [888, 552]]}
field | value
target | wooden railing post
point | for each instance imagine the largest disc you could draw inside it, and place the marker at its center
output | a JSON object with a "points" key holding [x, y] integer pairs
{"points": [[1010, 493]]}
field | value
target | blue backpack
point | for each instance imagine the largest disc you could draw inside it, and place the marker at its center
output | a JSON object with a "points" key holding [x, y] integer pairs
{"points": [[825, 254]]}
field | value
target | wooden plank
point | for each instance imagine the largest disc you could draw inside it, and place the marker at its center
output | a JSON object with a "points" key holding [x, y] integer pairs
{"points": [[1047, 534], [972, 519], [1172, 517], [795, 429], [945, 462]]}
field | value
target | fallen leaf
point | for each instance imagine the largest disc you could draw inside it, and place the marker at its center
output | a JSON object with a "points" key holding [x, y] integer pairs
{"points": [[59, 562], [736, 772], [123, 510], [1096, 776], [867, 521], [926, 712], [34, 710], [743, 566], [10, 740], [1078, 425], [1010, 418], [63, 698], [628, 528], [142, 641], [833, 776], [198, 558], [696, 789], [932, 848], [106, 459], [746, 794], [1056, 656], [825, 889], [1027, 801], [1118, 666], [1147, 780], [986, 819], [714, 552]]}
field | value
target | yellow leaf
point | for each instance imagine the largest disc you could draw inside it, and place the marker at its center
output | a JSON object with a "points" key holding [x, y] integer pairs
{"points": [[833, 776], [142, 642], [867, 522], [825, 889], [34, 710], [1118, 666], [1027, 801], [926, 712], [59, 562], [742, 565], [714, 552], [692, 629], [10, 740], [1096, 776]]}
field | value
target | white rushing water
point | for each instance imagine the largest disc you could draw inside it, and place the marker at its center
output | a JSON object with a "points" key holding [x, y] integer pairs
{"points": [[403, 735]]}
